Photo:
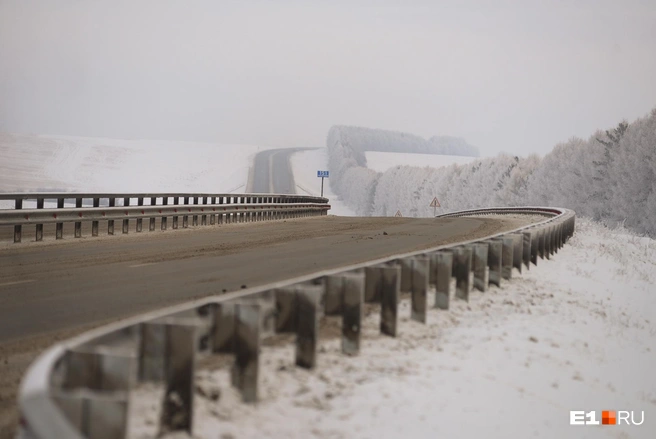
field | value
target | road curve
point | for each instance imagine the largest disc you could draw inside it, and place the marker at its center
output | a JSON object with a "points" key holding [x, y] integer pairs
{"points": [[51, 287], [54, 289], [272, 171]]}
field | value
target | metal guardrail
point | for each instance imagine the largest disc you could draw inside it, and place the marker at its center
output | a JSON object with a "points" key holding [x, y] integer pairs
{"points": [[221, 208], [81, 387]]}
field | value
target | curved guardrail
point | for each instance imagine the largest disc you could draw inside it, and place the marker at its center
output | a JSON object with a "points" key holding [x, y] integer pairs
{"points": [[220, 208], [81, 387]]}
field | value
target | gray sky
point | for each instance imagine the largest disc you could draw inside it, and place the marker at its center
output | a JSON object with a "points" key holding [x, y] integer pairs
{"points": [[515, 76]]}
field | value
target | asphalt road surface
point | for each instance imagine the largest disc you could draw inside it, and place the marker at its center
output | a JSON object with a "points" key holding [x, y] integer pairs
{"points": [[52, 286], [272, 172]]}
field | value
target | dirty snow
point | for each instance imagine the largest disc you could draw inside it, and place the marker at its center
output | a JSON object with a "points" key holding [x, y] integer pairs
{"points": [[578, 332]]}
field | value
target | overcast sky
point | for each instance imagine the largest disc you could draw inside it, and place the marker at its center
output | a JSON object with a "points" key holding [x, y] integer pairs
{"points": [[514, 76]]}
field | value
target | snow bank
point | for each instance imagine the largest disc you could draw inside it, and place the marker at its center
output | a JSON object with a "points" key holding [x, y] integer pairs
{"points": [[578, 332], [305, 165]]}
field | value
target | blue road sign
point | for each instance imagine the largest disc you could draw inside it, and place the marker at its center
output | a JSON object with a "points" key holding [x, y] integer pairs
{"points": [[322, 174]]}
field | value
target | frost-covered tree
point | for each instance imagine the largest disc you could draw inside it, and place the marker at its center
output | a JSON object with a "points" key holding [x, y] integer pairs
{"points": [[448, 145], [610, 177]]}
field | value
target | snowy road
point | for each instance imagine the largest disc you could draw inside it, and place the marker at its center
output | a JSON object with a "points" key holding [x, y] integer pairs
{"points": [[272, 172]]}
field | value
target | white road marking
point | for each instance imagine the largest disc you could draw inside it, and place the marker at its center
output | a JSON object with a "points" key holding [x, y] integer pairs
{"points": [[143, 265], [17, 282]]}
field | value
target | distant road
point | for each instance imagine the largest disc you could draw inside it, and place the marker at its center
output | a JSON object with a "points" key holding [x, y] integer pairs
{"points": [[272, 171]]}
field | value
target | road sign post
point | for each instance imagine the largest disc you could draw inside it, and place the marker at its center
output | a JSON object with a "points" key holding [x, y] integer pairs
{"points": [[435, 204], [322, 175]]}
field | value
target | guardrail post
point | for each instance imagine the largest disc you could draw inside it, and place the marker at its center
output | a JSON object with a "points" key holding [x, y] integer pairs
{"points": [[39, 227], [414, 279], [18, 230], [344, 294], [94, 392], [176, 200], [526, 249], [177, 407], [102, 416], [352, 313], [110, 223], [185, 218], [462, 259], [163, 224], [286, 309], [78, 224], [535, 246], [373, 283], [220, 220], [152, 351], [334, 295], [247, 350], [59, 228], [126, 222], [307, 320], [194, 218], [203, 218], [94, 224], [151, 223], [494, 261], [518, 250], [541, 243], [139, 220], [443, 270], [480, 267], [223, 339], [389, 290], [506, 256], [213, 215], [563, 233]]}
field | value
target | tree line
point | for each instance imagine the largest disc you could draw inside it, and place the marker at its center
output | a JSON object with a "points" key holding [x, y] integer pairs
{"points": [[610, 177]]}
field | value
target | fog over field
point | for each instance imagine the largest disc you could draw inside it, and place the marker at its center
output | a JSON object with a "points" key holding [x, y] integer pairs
{"points": [[509, 76]]}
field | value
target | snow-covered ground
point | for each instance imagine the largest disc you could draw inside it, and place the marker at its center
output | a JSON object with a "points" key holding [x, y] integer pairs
{"points": [[59, 163], [382, 161], [578, 332], [305, 165], [82, 164]]}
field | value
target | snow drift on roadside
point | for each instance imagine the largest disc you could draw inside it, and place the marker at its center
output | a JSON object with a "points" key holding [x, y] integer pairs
{"points": [[305, 165], [578, 332]]}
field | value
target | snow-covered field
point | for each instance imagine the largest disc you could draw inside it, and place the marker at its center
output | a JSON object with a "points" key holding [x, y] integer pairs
{"points": [[58, 163], [382, 161], [305, 165], [64, 163], [578, 332]]}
